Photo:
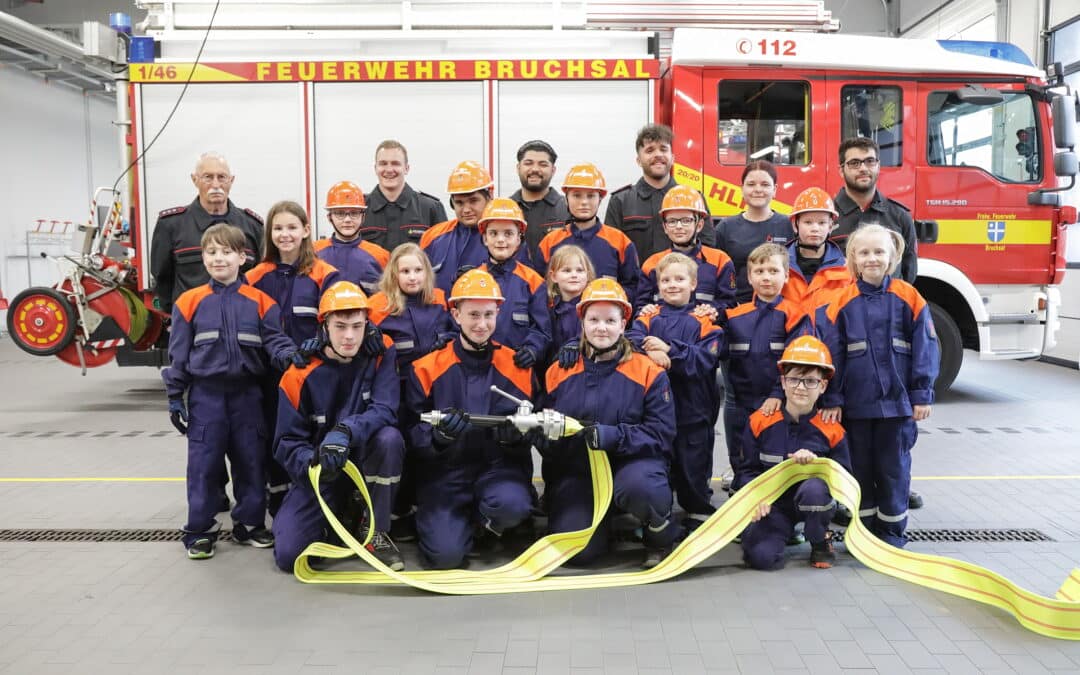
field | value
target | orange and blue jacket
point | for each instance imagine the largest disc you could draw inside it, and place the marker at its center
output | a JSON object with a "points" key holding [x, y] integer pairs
{"points": [[757, 333], [361, 395], [414, 331], [453, 377], [634, 396], [830, 279], [224, 332], [451, 246], [695, 350], [358, 261], [768, 440], [715, 278], [611, 252], [297, 295], [523, 319], [565, 324], [884, 348]]}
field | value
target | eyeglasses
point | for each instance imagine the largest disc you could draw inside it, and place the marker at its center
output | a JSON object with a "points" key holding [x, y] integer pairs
{"points": [[688, 221], [869, 163], [211, 177], [804, 382], [354, 215]]}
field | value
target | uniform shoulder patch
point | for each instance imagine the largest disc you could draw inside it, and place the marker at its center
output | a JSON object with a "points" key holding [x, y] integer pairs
{"points": [[254, 215], [622, 189], [421, 193], [176, 210]]}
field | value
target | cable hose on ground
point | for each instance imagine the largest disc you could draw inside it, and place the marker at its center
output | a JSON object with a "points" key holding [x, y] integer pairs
{"points": [[1057, 617]]}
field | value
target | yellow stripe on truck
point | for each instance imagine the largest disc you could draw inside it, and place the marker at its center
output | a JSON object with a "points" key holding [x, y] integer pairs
{"points": [[975, 232], [1053, 617]]}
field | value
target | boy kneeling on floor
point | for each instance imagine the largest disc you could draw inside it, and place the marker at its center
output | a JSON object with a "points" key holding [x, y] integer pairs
{"points": [[795, 431]]}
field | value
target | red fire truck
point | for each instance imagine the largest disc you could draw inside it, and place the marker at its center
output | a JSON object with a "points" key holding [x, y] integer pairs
{"points": [[974, 140]]}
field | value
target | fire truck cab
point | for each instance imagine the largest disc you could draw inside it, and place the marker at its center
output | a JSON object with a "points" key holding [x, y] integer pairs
{"points": [[967, 130]]}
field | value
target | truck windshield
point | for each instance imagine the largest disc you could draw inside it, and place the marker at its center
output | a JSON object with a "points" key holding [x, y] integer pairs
{"points": [[999, 138], [759, 119]]}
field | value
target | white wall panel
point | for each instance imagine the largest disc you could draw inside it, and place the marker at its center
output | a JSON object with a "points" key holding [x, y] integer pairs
{"points": [[57, 144], [257, 127], [583, 121], [440, 123]]}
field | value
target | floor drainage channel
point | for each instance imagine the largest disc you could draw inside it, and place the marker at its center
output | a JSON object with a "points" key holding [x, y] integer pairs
{"points": [[97, 536], [75, 536], [971, 536]]}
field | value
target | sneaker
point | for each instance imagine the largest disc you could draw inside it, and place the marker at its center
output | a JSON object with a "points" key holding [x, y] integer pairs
{"points": [[796, 539], [655, 556], [822, 555], [202, 549], [914, 500], [259, 537], [841, 516], [403, 528], [386, 551]]}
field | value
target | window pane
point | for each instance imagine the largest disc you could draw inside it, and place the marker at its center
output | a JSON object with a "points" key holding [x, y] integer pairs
{"points": [[999, 138], [763, 120], [875, 113]]}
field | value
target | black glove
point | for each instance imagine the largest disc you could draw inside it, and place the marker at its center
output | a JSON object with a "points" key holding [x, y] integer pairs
{"points": [[334, 452], [283, 361], [311, 346], [507, 434], [373, 342], [462, 270], [524, 358], [454, 422], [178, 414], [601, 437], [539, 440], [568, 355]]}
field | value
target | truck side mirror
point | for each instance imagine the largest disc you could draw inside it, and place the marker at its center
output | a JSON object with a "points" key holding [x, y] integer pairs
{"points": [[1065, 164], [1064, 110]]}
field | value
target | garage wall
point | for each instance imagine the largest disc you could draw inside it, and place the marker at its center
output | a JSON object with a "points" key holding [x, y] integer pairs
{"points": [[58, 145]]}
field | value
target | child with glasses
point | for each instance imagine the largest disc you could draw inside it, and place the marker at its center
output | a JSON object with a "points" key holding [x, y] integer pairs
{"points": [[683, 214], [687, 345], [881, 335], [799, 432], [358, 260], [757, 333]]}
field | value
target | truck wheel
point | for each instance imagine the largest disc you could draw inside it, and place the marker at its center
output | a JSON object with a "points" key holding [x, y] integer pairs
{"points": [[41, 321], [951, 346]]}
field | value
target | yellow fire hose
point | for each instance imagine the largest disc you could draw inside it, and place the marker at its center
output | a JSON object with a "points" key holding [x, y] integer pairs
{"points": [[1053, 617]]}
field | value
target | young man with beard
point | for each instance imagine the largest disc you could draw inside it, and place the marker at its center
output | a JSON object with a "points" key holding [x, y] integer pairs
{"points": [[860, 202], [635, 209], [544, 207]]}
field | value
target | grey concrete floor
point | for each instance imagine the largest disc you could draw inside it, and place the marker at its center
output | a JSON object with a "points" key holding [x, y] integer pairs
{"points": [[145, 608]]}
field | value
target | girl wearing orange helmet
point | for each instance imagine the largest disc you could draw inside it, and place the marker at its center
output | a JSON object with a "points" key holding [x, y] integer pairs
{"points": [[626, 399]]}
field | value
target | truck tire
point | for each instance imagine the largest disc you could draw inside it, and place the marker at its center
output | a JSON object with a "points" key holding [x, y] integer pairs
{"points": [[951, 346]]}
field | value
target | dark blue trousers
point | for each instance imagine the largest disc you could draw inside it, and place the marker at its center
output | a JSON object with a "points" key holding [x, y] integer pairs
{"points": [[881, 462], [808, 502]]}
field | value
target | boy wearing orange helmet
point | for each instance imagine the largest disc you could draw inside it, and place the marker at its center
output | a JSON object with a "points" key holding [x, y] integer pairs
{"points": [[817, 267], [797, 432], [357, 260], [683, 214], [457, 244], [342, 406], [524, 320], [466, 474], [611, 252]]}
